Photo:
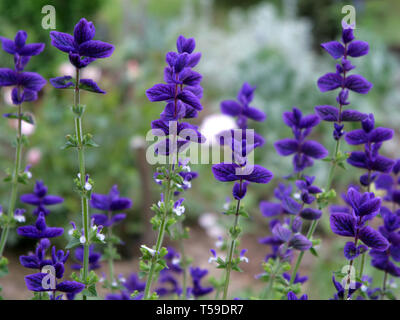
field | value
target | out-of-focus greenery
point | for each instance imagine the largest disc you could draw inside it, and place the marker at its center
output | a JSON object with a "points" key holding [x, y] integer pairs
{"points": [[271, 44]]}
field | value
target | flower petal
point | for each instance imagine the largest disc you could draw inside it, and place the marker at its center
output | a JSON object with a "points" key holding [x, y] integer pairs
{"points": [[356, 137], [357, 48], [343, 224], [357, 84], [327, 113], [90, 85], [62, 82], [334, 48], [329, 81], [62, 41], [286, 147], [96, 49], [314, 149], [373, 238]]}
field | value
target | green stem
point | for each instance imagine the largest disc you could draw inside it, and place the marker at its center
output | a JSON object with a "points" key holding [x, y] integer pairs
{"points": [[14, 182], [314, 224], [160, 238], [384, 285], [110, 255], [231, 250], [184, 264], [82, 172]]}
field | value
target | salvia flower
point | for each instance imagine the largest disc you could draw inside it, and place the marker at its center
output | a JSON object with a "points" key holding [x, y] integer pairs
{"points": [[111, 203], [37, 259], [339, 295], [40, 199], [94, 258], [40, 229], [181, 93], [389, 183], [385, 260], [365, 206], [80, 46], [131, 285], [292, 296], [304, 151], [372, 139], [241, 108], [340, 79], [197, 290]]}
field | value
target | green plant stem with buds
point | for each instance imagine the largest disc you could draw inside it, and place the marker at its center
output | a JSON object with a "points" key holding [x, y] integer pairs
{"points": [[14, 182], [82, 172], [110, 254], [161, 233], [314, 224], [231, 250]]}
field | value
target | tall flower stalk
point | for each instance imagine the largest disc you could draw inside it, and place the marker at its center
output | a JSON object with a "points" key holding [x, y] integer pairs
{"points": [[346, 83], [26, 86], [241, 141], [82, 50], [182, 93]]}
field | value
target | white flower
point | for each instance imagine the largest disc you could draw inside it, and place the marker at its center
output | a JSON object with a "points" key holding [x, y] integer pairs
{"points": [[28, 174], [122, 279], [179, 210], [159, 204], [176, 260], [70, 232], [219, 242], [20, 218], [114, 283], [100, 236], [79, 175], [297, 195], [88, 186], [188, 184], [82, 239], [186, 168], [151, 251]]}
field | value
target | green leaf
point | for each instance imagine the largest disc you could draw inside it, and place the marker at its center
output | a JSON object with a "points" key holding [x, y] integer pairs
{"points": [[314, 252], [28, 118], [74, 242], [90, 291]]}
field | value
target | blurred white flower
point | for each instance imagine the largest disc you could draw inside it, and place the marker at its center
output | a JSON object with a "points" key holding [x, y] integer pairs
{"points": [[209, 222], [132, 69], [215, 124], [33, 156], [137, 142], [26, 128], [7, 96]]}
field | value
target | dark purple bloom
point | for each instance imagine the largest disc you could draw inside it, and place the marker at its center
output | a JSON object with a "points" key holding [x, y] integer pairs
{"points": [[297, 279], [18, 47], [339, 295], [40, 199], [232, 172], [304, 150], [81, 47], [385, 260], [197, 290], [40, 230], [37, 259], [292, 296], [372, 139], [66, 82], [241, 108], [94, 258], [34, 282], [110, 203], [364, 208], [27, 84]]}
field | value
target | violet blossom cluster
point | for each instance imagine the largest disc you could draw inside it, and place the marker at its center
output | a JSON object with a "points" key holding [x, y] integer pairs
{"points": [[37, 260]]}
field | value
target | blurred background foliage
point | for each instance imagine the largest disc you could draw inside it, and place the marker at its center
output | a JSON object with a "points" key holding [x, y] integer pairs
{"points": [[271, 44]]}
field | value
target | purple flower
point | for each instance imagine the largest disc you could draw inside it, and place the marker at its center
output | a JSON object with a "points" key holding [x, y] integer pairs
{"points": [[66, 82], [27, 84], [37, 259], [304, 150], [197, 290], [372, 138], [34, 282], [81, 47], [40, 199], [94, 258], [19, 46], [241, 108], [226, 172], [131, 285], [385, 260], [364, 208], [292, 296], [339, 295], [40, 230], [297, 279], [110, 203]]}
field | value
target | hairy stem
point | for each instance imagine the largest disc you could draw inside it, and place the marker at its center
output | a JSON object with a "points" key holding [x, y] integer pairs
{"points": [[82, 173], [314, 224], [160, 237], [14, 182], [231, 250]]}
